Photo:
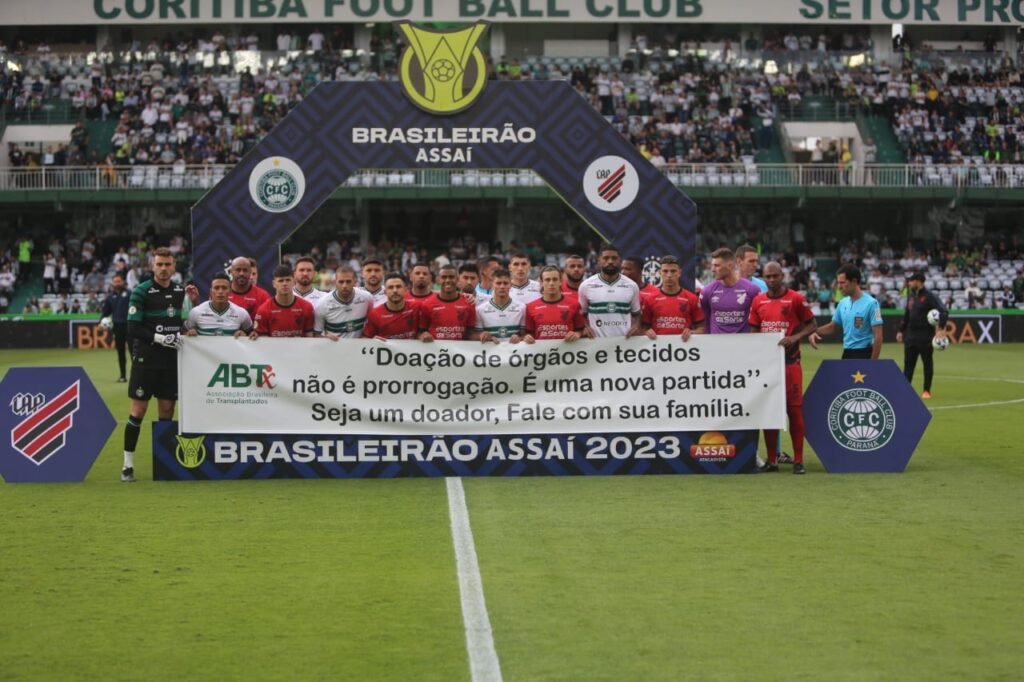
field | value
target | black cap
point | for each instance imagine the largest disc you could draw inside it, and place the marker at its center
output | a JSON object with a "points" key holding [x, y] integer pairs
{"points": [[918, 275]]}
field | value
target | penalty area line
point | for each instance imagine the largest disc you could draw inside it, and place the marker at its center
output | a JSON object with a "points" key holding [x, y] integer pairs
{"points": [[483, 659]]}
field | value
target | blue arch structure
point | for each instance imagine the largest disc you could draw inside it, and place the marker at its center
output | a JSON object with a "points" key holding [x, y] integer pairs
{"points": [[317, 135]]}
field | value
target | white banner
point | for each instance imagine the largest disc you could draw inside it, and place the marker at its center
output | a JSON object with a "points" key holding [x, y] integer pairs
{"points": [[324, 12], [317, 386]]}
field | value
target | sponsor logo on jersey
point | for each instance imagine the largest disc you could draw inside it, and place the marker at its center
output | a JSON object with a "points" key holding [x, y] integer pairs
{"points": [[277, 184], [611, 183], [443, 72]]}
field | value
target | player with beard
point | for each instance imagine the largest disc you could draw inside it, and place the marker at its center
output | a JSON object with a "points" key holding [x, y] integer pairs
{"points": [[573, 274], [446, 315], [305, 269], [244, 293], [469, 277], [373, 280], [500, 318], [285, 315], [154, 323], [342, 313], [397, 318], [554, 315], [218, 316], [524, 290], [780, 309], [421, 283], [726, 301], [673, 310], [610, 301]]}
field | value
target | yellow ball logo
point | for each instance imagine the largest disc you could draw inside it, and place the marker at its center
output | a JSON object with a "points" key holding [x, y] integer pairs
{"points": [[443, 72]]}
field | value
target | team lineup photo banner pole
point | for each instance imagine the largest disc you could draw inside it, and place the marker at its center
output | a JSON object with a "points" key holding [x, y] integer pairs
{"points": [[366, 408]]}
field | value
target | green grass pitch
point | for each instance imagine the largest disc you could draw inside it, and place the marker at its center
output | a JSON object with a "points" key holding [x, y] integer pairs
{"points": [[859, 577]]}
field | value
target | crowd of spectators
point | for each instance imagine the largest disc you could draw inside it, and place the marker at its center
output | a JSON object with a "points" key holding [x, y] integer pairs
{"points": [[77, 270], [174, 106]]}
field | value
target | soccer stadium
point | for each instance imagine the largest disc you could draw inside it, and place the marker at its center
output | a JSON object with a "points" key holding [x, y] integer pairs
{"points": [[511, 339]]}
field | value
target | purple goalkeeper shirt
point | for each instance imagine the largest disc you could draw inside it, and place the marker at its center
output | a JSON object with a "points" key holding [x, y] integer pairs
{"points": [[727, 308]]}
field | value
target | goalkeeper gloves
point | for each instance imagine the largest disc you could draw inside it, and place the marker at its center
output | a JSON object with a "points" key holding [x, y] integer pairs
{"points": [[168, 341]]}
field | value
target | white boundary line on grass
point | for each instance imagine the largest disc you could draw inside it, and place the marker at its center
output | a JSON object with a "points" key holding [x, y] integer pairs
{"points": [[483, 659], [992, 404], [963, 378], [989, 404]]}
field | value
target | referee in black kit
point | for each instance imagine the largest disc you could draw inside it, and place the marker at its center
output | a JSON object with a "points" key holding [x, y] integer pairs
{"points": [[115, 306], [916, 332]]}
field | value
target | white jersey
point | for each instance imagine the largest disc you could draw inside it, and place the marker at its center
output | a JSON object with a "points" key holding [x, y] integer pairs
{"points": [[609, 305], [379, 297], [347, 320], [314, 295], [526, 294], [208, 322], [502, 323]]}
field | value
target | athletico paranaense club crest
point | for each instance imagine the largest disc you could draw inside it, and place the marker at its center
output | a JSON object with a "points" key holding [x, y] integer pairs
{"points": [[56, 424], [41, 433]]}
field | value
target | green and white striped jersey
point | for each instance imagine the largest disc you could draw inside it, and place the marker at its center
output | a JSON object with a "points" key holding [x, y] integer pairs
{"points": [[525, 294], [609, 306], [501, 322], [208, 322], [344, 318]]}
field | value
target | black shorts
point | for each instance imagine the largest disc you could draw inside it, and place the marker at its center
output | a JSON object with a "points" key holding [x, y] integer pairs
{"points": [[146, 382], [857, 353]]}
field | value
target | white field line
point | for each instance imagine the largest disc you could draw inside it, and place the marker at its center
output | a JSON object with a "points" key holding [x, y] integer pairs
{"points": [[988, 404], [992, 404], [963, 378], [483, 659]]}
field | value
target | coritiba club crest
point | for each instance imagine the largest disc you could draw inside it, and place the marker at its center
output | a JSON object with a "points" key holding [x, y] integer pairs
{"points": [[443, 72]]}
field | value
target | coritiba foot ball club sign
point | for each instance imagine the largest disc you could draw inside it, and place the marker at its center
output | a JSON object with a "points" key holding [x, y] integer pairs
{"points": [[443, 114]]}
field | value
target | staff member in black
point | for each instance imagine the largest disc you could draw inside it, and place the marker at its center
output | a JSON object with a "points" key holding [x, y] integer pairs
{"points": [[115, 306], [916, 332], [154, 324]]}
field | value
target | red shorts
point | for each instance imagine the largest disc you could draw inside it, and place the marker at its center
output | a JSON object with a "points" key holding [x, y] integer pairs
{"points": [[794, 385]]}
